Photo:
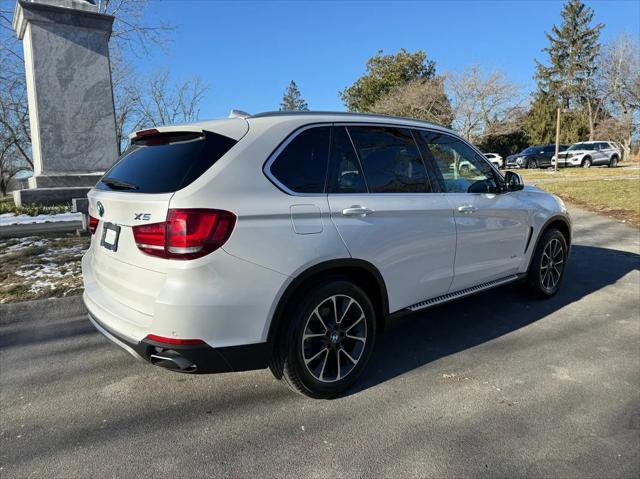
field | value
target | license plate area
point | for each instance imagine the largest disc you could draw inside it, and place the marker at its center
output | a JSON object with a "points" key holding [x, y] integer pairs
{"points": [[110, 235]]}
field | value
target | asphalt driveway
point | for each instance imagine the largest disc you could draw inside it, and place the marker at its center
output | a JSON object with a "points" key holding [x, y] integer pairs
{"points": [[496, 384]]}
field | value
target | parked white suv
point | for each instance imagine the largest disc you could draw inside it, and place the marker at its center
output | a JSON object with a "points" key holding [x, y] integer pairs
{"points": [[590, 153], [290, 239], [496, 159]]}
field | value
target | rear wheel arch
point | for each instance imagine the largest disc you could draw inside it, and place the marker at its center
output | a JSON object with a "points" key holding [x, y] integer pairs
{"points": [[360, 272]]}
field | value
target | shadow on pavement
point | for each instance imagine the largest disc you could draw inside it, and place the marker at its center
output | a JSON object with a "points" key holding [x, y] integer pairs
{"points": [[421, 338]]}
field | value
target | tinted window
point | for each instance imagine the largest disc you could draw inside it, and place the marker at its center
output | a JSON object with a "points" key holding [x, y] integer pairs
{"points": [[302, 165], [390, 158], [346, 173], [602, 146], [582, 146], [462, 170], [165, 162]]}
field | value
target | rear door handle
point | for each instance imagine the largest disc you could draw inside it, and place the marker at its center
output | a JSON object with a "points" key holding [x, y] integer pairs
{"points": [[467, 209], [356, 210]]}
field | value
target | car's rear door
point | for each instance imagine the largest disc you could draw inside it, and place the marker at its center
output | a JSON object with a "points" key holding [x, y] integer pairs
{"points": [[384, 207], [492, 227]]}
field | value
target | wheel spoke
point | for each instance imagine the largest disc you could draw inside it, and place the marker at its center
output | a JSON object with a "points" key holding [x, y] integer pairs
{"points": [[324, 364], [315, 335], [356, 322], [317, 313], [307, 361], [358, 338], [338, 359], [335, 310], [354, 361], [346, 310]]}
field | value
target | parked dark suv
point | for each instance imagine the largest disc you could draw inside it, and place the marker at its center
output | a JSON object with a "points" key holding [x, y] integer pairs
{"points": [[534, 157]]}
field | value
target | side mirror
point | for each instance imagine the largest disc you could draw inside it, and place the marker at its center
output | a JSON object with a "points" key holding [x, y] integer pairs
{"points": [[514, 181]]}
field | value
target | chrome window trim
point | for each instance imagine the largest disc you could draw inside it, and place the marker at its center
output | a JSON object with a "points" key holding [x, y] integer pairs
{"points": [[266, 169]]}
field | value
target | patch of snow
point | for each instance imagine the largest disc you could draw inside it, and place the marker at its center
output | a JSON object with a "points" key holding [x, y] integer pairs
{"points": [[22, 244], [7, 219]]}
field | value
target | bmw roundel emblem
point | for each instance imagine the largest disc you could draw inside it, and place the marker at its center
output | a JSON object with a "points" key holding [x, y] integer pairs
{"points": [[100, 208]]}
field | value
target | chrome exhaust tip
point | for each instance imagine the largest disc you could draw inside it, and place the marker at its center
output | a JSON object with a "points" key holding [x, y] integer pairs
{"points": [[170, 359]]}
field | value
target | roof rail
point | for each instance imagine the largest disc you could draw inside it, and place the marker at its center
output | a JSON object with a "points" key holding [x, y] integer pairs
{"points": [[239, 114], [338, 113]]}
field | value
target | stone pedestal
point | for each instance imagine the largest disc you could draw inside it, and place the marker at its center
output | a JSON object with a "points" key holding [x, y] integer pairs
{"points": [[72, 119]]}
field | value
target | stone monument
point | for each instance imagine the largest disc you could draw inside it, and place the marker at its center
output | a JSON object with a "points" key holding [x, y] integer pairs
{"points": [[71, 111]]}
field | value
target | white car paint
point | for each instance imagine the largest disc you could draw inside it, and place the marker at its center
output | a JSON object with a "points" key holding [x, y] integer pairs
{"points": [[422, 244], [599, 153], [496, 159]]}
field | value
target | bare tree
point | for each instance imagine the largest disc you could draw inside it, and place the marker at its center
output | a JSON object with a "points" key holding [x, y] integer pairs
{"points": [[163, 103], [481, 101], [616, 95], [421, 99]]}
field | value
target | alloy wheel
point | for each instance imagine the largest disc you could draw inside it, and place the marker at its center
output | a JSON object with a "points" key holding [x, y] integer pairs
{"points": [[334, 338], [551, 264]]}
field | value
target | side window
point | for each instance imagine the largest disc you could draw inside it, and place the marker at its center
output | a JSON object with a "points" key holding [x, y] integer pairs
{"points": [[346, 173], [302, 165], [391, 160], [462, 170]]}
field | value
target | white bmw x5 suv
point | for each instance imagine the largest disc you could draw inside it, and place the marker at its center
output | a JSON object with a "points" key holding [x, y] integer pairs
{"points": [[288, 240]]}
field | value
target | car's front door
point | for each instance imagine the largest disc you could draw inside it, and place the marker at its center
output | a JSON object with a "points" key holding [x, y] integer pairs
{"points": [[383, 205], [492, 226]]}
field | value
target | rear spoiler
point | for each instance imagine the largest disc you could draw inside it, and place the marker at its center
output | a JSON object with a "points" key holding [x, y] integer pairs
{"points": [[165, 129]]}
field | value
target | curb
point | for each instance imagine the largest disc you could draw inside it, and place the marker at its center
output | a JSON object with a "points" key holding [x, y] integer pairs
{"points": [[52, 308], [13, 231]]}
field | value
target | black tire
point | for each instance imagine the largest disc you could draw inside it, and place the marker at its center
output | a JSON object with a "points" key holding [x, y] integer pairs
{"points": [[586, 163], [533, 164], [292, 359], [540, 268], [613, 162]]}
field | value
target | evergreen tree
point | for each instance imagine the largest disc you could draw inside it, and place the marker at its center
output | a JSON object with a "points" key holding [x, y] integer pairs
{"points": [[386, 73], [540, 123], [573, 59], [292, 99]]}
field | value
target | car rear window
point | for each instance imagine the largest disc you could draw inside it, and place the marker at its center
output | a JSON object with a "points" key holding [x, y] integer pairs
{"points": [[165, 162]]}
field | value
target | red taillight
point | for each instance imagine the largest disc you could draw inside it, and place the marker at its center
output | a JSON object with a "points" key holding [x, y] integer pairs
{"points": [[187, 233], [93, 224], [184, 342], [150, 238]]}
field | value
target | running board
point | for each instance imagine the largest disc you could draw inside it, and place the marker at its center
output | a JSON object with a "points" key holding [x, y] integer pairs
{"points": [[463, 292]]}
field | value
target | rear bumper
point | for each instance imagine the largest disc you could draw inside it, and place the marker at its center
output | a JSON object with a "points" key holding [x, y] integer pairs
{"points": [[191, 359]]}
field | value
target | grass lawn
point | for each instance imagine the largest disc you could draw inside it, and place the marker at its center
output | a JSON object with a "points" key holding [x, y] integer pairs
{"points": [[530, 176], [613, 192]]}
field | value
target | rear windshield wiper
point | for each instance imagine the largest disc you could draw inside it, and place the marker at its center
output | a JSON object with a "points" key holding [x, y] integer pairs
{"points": [[119, 184]]}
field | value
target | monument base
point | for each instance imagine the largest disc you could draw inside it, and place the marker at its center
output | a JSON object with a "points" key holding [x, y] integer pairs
{"points": [[67, 180], [49, 196]]}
